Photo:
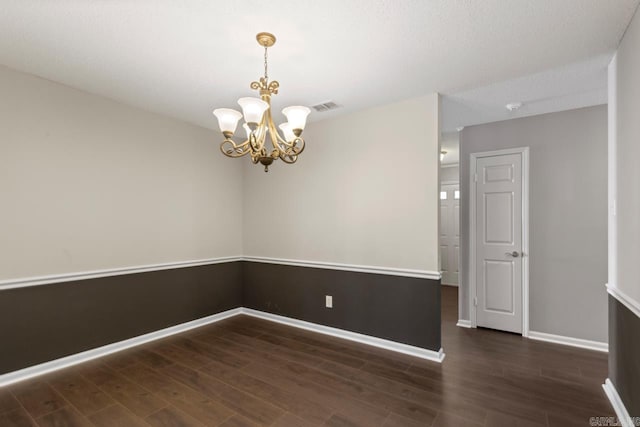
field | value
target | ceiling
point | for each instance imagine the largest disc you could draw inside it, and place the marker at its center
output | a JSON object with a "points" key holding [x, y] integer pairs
{"points": [[185, 58], [577, 85]]}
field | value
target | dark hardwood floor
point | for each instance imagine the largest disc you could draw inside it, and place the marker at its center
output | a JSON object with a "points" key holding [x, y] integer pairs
{"points": [[247, 372]]}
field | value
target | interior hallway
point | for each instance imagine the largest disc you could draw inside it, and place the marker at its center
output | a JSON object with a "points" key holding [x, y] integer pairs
{"points": [[533, 381]]}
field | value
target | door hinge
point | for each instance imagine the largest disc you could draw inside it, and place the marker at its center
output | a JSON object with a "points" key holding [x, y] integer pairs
{"points": [[475, 177], [475, 301]]}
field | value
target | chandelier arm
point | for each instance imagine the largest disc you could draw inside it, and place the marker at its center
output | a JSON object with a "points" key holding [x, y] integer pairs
{"points": [[289, 159], [278, 142], [297, 147], [261, 131], [283, 141], [275, 136], [299, 144], [269, 127], [253, 143], [230, 149]]}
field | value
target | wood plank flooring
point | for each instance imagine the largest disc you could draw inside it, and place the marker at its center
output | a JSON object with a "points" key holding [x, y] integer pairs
{"points": [[249, 372]]}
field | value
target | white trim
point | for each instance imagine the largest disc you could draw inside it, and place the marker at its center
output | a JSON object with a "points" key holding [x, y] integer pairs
{"points": [[624, 299], [463, 323], [570, 341], [617, 403], [421, 274], [435, 356], [74, 359], [453, 285], [85, 356], [59, 278], [612, 168], [524, 151], [449, 165], [448, 183]]}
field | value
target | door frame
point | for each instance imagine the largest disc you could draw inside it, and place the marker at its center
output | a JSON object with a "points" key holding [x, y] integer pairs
{"points": [[450, 182], [473, 289]]}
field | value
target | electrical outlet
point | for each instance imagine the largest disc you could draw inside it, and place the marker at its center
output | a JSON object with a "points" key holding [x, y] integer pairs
{"points": [[328, 301]]}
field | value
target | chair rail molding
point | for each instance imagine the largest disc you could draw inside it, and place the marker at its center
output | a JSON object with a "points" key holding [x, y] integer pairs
{"points": [[68, 277], [94, 274], [624, 299], [405, 272]]}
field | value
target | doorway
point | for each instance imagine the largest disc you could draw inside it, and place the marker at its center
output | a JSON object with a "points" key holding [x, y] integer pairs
{"points": [[450, 233], [499, 273]]}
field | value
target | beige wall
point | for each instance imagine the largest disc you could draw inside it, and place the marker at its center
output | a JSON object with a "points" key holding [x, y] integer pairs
{"points": [[364, 192], [449, 173], [87, 183], [626, 140], [567, 216]]}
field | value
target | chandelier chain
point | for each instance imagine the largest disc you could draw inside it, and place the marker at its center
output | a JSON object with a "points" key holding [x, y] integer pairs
{"points": [[266, 76]]}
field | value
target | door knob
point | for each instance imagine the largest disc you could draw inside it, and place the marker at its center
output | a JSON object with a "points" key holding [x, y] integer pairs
{"points": [[514, 254]]}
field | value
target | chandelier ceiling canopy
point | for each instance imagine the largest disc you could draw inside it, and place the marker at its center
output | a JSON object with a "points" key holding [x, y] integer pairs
{"points": [[259, 126]]}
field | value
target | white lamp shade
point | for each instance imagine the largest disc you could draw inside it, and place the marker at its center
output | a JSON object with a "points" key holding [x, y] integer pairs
{"points": [[227, 119], [287, 131], [296, 116], [253, 109]]}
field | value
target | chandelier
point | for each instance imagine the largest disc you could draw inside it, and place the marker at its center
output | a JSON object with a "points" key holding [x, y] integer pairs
{"points": [[259, 124]]}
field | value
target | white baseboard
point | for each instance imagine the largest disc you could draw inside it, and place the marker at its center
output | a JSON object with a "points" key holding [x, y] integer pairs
{"points": [[464, 323], [85, 356], [435, 356], [573, 342], [618, 405], [454, 285]]}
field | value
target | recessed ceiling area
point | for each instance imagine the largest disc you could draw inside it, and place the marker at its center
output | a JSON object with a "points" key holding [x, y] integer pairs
{"points": [[183, 59], [578, 85]]}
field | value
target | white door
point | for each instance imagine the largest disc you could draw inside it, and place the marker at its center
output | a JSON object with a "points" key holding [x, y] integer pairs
{"points": [[498, 240], [449, 233]]}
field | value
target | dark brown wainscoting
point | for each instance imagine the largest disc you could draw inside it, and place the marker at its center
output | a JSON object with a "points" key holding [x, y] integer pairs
{"points": [[401, 309], [43, 323], [624, 354], [249, 372]]}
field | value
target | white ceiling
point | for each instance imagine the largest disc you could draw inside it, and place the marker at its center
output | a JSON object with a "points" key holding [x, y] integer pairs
{"points": [[572, 86], [185, 58]]}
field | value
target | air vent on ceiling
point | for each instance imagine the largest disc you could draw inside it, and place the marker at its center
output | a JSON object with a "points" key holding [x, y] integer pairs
{"points": [[326, 106]]}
